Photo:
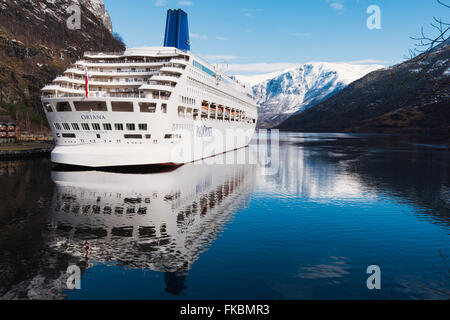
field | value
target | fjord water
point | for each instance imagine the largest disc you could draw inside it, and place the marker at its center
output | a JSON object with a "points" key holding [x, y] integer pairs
{"points": [[336, 204]]}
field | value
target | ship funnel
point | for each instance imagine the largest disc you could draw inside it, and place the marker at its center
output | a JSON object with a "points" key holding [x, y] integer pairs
{"points": [[177, 30]]}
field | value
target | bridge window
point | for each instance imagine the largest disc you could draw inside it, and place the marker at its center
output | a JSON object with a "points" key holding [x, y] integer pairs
{"points": [[142, 127], [107, 126], [90, 106], [63, 107], [75, 126], [122, 106], [85, 126], [118, 126], [96, 126], [131, 126], [147, 107]]}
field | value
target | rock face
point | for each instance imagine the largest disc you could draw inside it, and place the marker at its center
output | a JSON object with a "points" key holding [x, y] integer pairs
{"points": [[413, 96], [36, 43], [302, 87]]}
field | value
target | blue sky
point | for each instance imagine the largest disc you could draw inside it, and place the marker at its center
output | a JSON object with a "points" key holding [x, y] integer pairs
{"points": [[266, 36]]}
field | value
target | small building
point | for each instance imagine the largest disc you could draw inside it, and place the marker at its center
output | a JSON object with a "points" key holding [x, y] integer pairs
{"points": [[12, 127], [9, 131]]}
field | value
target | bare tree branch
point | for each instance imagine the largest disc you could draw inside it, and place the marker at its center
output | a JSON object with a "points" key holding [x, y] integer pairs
{"points": [[426, 43]]}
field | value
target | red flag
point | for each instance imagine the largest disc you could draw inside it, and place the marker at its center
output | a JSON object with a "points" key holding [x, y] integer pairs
{"points": [[87, 83]]}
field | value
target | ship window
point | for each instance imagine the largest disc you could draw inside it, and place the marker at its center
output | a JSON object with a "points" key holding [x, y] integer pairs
{"points": [[181, 113], [131, 126], [85, 126], [148, 136], [195, 114], [48, 107], [57, 126], [147, 107], [143, 126], [90, 106], [133, 136], [96, 126], [75, 126], [68, 135], [164, 108], [118, 126], [122, 106], [168, 136], [66, 126], [107, 126], [63, 107]]}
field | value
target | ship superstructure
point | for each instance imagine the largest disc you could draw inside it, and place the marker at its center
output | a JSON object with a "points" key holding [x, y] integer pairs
{"points": [[149, 105]]}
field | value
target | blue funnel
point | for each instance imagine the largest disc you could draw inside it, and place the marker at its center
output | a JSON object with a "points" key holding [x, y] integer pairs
{"points": [[177, 30]]}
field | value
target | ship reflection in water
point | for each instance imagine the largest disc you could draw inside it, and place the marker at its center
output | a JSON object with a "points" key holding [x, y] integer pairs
{"points": [[159, 221], [335, 205]]}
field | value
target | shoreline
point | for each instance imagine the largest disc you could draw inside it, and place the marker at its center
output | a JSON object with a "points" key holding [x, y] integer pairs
{"points": [[25, 150]]}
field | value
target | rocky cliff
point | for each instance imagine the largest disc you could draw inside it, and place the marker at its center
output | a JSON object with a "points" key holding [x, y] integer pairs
{"points": [[38, 40]]}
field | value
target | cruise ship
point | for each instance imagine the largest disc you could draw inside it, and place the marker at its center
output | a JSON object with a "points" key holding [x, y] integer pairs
{"points": [[147, 106]]}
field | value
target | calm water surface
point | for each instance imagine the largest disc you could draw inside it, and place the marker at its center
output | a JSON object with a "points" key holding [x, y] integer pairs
{"points": [[338, 204]]}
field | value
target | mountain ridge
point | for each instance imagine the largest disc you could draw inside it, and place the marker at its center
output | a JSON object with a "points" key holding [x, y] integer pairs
{"points": [[412, 96]]}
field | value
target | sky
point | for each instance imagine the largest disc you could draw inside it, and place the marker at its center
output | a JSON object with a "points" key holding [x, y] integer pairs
{"points": [[256, 37]]}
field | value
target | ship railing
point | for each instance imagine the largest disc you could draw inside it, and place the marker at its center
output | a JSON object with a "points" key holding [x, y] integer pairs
{"points": [[158, 61], [99, 53], [93, 95], [160, 83]]}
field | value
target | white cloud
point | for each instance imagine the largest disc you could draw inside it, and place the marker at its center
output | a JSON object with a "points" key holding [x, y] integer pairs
{"points": [[299, 34], [197, 36], [337, 6], [252, 10], [161, 3], [185, 3], [256, 71], [261, 67], [368, 61], [222, 38], [218, 57]]}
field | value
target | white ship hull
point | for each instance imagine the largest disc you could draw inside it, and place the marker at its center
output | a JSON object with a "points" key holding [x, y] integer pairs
{"points": [[111, 149]]}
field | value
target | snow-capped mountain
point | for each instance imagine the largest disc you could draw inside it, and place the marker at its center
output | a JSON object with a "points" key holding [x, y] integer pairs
{"points": [[300, 88], [410, 97]]}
